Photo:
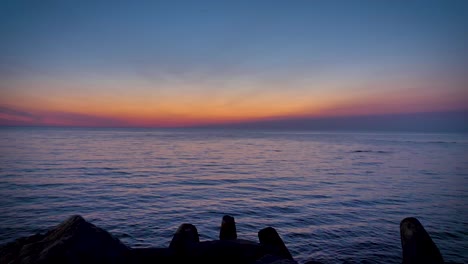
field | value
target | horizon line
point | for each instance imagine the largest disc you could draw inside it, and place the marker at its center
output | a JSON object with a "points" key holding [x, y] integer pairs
{"points": [[444, 121]]}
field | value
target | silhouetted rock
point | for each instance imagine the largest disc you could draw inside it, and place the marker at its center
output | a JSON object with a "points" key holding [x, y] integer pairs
{"points": [[417, 245], [228, 228], [77, 241], [227, 251], [272, 241], [10, 252], [185, 237], [151, 255], [73, 241]]}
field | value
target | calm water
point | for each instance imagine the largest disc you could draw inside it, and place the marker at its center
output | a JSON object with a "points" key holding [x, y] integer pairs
{"points": [[333, 197]]}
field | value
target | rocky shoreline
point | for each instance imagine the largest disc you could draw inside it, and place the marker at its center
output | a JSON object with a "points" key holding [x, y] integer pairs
{"points": [[77, 241]]}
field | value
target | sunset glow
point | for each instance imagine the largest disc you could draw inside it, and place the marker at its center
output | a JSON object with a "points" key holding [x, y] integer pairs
{"points": [[222, 63]]}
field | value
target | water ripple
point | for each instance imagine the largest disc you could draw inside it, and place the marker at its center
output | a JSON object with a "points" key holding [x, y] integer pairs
{"points": [[335, 198]]}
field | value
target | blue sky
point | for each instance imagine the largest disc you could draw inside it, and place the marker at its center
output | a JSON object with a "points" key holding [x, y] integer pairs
{"points": [[165, 63]]}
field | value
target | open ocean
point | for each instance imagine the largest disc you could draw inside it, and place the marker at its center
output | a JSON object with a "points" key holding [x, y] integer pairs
{"points": [[333, 197]]}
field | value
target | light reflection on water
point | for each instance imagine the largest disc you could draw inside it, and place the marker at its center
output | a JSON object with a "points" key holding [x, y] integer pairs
{"points": [[333, 197]]}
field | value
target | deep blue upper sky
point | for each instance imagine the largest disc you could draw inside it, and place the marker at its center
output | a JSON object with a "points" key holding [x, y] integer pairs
{"points": [[253, 34]]}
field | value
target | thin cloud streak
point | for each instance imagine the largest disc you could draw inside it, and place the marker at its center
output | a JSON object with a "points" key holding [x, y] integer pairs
{"points": [[14, 117]]}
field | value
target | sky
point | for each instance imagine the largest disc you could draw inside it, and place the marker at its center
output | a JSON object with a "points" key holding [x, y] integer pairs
{"points": [[198, 63]]}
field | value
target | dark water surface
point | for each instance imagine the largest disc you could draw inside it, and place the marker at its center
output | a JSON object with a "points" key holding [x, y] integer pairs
{"points": [[333, 197]]}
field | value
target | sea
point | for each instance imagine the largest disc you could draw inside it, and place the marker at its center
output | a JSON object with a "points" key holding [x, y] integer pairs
{"points": [[334, 197]]}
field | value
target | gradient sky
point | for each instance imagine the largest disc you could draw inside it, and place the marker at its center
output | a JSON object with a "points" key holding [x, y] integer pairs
{"points": [[183, 63]]}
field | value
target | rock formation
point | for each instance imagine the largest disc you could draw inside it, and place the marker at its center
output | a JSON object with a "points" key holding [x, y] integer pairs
{"points": [[417, 245], [77, 241], [73, 241]]}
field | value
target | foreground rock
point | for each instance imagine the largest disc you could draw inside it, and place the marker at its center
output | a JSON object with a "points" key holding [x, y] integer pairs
{"points": [[78, 241], [73, 241], [417, 245]]}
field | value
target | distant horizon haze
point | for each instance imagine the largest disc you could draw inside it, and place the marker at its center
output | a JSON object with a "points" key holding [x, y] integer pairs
{"points": [[430, 122]]}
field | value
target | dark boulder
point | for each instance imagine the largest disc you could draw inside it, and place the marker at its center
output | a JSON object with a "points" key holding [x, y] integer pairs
{"points": [[417, 245], [78, 241], [226, 251], [228, 229], [271, 240], [73, 241]]}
